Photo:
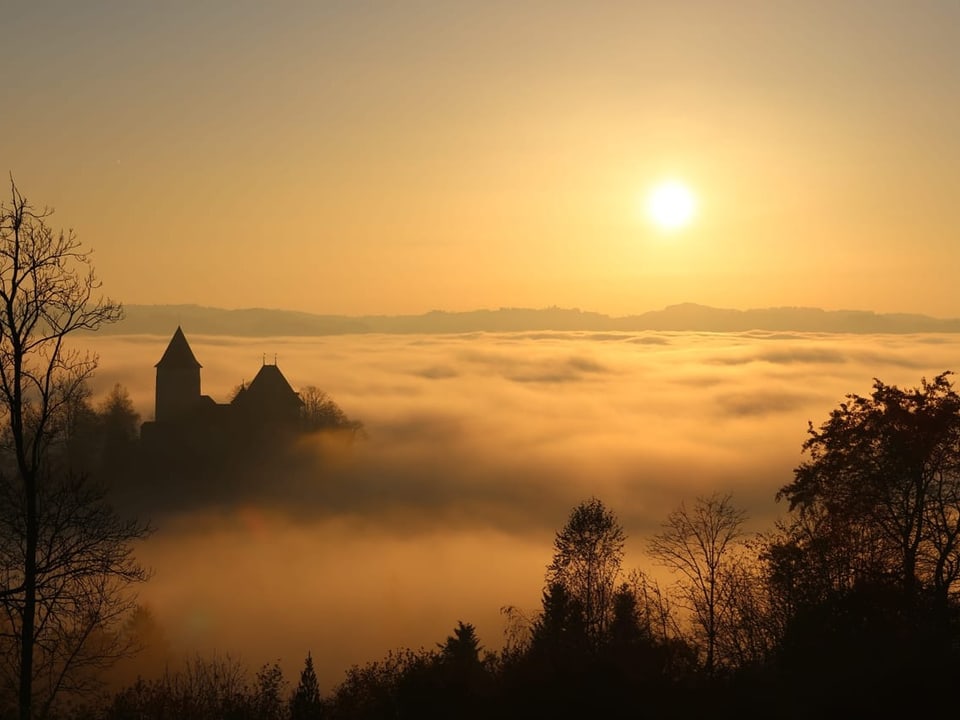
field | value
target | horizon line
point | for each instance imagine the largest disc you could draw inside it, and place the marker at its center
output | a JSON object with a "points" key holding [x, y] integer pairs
{"points": [[571, 309]]}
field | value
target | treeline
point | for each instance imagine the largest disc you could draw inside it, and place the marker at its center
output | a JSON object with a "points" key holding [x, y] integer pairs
{"points": [[848, 607], [100, 438], [102, 442]]}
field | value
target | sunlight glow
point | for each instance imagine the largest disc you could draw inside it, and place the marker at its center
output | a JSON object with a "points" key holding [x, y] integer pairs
{"points": [[671, 205]]}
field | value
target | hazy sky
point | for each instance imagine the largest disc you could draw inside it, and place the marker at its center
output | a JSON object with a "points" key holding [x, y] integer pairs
{"points": [[392, 157]]}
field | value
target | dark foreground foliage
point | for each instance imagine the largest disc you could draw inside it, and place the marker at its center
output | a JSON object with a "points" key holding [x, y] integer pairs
{"points": [[848, 608]]}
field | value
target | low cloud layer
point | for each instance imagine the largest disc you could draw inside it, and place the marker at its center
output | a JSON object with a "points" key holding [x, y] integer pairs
{"points": [[477, 447]]}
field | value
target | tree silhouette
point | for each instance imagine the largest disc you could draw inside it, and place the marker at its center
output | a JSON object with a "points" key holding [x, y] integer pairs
{"points": [[588, 552], [866, 564], [462, 649], [121, 422], [462, 678], [560, 631], [626, 627], [268, 693], [391, 687], [306, 703], [66, 557], [320, 412], [699, 543], [879, 494], [203, 689]]}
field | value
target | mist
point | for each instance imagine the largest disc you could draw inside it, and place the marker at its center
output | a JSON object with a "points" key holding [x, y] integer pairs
{"points": [[476, 446]]}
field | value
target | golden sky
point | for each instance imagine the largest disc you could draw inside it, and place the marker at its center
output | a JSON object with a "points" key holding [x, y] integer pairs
{"points": [[398, 157]]}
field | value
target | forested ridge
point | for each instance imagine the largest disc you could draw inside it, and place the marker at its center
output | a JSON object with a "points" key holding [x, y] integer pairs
{"points": [[261, 322]]}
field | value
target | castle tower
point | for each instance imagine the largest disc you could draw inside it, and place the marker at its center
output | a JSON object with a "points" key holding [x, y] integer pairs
{"points": [[178, 380]]}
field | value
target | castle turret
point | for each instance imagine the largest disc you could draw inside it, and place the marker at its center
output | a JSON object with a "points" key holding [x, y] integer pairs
{"points": [[269, 399], [178, 380]]}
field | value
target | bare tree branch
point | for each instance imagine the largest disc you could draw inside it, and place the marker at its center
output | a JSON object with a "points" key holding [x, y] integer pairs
{"points": [[65, 557]]}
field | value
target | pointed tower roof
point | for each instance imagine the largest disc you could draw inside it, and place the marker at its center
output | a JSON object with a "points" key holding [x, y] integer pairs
{"points": [[270, 383], [178, 353]]}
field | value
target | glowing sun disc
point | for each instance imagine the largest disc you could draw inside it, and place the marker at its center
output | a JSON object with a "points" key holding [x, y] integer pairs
{"points": [[671, 205]]}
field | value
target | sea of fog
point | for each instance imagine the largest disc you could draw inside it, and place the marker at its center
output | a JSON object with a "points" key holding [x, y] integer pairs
{"points": [[476, 448]]}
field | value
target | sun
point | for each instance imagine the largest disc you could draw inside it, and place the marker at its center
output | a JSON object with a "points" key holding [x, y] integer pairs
{"points": [[671, 205]]}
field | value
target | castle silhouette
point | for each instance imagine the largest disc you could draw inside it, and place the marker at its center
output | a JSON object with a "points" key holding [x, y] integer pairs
{"points": [[267, 405]]}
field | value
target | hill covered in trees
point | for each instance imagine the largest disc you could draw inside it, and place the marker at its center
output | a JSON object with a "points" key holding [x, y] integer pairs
{"points": [[256, 322]]}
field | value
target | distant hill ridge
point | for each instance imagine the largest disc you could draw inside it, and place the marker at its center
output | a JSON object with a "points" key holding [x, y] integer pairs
{"points": [[259, 322]]}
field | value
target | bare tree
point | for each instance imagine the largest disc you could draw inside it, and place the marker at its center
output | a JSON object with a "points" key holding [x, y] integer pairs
{"points": [[753, 623], [203, 688], [700, 544], [84, 565], [320, 412], [66, 555], [656, 611]]}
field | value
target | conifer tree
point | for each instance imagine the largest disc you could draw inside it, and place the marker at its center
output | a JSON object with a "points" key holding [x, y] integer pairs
{"points": [[560, 630], [305, 703]]}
